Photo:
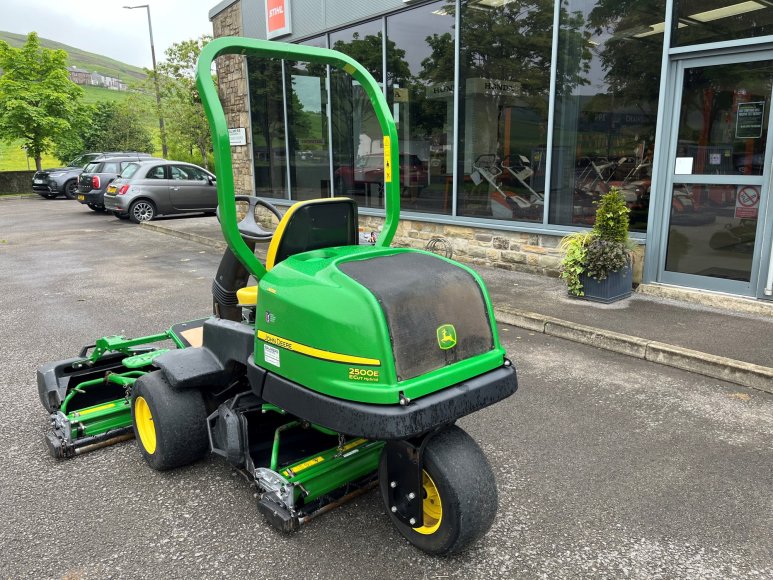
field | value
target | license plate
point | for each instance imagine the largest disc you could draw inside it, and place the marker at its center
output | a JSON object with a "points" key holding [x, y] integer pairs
{"points": [[81, 198], [38, 181], [111, 189]]}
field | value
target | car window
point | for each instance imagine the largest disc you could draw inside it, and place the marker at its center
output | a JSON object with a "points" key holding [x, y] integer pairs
{"points": [[156, 173], [111, 167], [91, 167], [129, 170], [181, 172], [197, 174]]}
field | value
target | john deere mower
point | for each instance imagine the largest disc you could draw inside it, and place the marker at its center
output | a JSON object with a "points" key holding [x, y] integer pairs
{"points": [[345, 367]]}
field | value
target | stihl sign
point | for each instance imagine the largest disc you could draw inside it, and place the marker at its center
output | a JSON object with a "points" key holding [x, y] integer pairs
{"points": [[277, 18]]}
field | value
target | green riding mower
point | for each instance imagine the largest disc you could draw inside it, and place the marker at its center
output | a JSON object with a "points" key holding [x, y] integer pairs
{"points": [[344, 367]]}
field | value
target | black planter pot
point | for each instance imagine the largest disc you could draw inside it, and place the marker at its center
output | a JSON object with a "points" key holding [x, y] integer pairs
{"points": [[616, 287]]}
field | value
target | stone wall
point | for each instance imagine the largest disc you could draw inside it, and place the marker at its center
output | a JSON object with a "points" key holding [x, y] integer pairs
{"points": [[16, 181], [232, 87], [518, 251]]}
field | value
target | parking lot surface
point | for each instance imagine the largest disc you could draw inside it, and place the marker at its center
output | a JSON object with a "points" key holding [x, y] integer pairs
{"points": [[607, 466]]}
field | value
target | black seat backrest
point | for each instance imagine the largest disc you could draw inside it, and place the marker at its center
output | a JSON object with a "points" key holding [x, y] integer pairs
{"points": [[312, 225]]}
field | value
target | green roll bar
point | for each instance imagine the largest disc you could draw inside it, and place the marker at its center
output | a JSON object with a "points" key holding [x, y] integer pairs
{"points": [[222, 148]]}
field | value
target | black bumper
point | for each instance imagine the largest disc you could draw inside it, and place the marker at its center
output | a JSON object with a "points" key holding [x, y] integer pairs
{"points": [[92, 197], [385, 421]]}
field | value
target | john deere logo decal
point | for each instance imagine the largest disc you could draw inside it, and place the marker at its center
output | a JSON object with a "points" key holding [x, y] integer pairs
{"points": [[446, 336]]}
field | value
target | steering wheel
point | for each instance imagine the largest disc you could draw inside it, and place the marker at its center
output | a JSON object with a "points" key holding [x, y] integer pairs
{"points": [[248, 227]]}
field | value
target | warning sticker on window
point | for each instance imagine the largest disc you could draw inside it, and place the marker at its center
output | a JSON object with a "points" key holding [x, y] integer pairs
{"points": [[271, 355]]}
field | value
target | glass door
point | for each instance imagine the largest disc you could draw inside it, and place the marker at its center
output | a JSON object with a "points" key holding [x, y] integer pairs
{"points": [[719, 174]]}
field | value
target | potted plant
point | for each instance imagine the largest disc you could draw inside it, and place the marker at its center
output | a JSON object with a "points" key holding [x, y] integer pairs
{"points": [[597, 264]]}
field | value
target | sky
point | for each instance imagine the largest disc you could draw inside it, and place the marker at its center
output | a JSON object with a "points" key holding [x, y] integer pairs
{"points": [[104, 27]]}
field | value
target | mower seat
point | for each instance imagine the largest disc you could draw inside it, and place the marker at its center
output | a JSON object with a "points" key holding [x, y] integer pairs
{"points": [[308, 225]]}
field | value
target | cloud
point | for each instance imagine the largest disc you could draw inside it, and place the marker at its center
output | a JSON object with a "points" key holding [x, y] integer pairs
{"points": [[106, 28]]}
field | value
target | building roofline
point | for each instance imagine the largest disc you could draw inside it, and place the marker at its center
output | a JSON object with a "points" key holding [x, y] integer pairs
{"points": [[214, 11]]}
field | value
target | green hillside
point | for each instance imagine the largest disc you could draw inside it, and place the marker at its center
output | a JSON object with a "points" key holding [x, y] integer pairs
{"points": [[12, 158], [83, 59]]}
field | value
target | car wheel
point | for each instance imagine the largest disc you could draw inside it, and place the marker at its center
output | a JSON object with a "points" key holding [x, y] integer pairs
{"points": [[69, 189], [142, 211], [121, 215]]}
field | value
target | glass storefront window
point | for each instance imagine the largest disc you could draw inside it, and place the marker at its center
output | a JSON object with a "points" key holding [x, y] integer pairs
{"points": [[723, 123], [308, 130], [607, 89], [504, 85], [357, 143], [268, 128], [420, 79], [711, 232], [700, 21]]}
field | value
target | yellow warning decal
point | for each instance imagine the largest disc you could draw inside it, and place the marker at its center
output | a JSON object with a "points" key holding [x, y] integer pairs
{"points": [[95, 409], [354, 443], [316, 352], [387, 159], [305, 465], [349, 68]]}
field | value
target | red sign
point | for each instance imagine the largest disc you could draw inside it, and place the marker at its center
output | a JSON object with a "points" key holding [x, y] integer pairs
{"points": [[275, 16], [747, 202]]}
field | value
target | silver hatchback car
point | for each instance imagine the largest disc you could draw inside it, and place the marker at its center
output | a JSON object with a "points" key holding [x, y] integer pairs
{"points": [[150, 188]]}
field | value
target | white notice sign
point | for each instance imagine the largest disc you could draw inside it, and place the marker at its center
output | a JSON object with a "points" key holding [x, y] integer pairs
{"points": [[683, 166], [237, 136]]}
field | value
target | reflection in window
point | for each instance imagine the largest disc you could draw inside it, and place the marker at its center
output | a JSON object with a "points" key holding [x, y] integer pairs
{"points": [[356, 133], [504, 85], [420, 78], [699, 21], [268, 127], [308, 127], [723, 122], [712, 230], [608, 79]]}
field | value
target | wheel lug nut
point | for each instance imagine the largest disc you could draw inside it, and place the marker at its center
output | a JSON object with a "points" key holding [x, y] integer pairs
{"points": [[393, 484], [412, 521], [394, 509], [411, 495]]}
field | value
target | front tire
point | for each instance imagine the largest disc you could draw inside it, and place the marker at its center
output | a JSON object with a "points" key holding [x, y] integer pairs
{"points": [[69, 189], [170, 426], [142, 210], [460, 494]]}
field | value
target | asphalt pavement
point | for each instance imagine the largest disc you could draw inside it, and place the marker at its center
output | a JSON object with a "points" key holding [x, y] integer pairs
{"points": [[607, 465]]}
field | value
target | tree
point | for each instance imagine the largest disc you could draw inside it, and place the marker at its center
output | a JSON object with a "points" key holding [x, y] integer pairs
{"points": [[187, 127], [106, 126], [38, 102]]}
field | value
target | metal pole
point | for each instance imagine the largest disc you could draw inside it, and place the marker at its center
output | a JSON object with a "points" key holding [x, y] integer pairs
{"points": [[161, 126]]}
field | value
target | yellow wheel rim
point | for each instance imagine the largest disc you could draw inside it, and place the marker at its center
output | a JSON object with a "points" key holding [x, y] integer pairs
{"points": [[432, 506], [143, 419]]}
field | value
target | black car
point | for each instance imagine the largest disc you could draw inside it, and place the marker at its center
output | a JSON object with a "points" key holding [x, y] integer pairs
{"points": [[51, 183], [97, 175]]}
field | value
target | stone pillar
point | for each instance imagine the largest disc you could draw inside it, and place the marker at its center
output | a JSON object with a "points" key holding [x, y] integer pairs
{"points": [[232, 88]]}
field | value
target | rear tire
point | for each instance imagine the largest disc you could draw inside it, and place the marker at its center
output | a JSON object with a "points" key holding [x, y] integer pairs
{"points": [[170, 426], [142, 210], [460, 494], [69, 189]]}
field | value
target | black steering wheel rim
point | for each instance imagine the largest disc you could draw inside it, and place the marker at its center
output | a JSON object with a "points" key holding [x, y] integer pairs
{"points": [[248, 227]]}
